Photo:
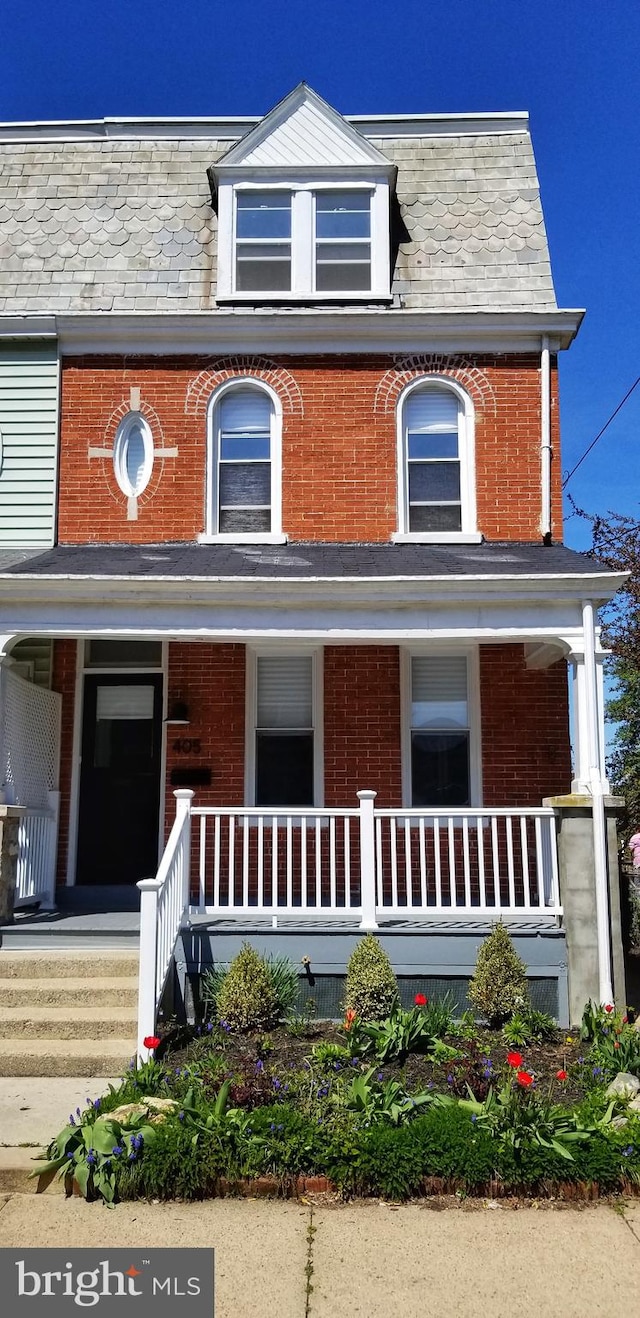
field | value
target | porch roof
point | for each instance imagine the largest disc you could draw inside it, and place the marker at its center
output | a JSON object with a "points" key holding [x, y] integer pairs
{"points": [[308, 561]]}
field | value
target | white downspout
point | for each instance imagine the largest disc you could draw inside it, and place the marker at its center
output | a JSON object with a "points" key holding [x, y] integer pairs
{"points": [[545, 440], [601, 868]]}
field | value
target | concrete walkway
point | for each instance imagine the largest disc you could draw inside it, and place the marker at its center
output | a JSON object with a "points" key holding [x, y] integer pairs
{"points": [[32, 1110], [297, 1260]]}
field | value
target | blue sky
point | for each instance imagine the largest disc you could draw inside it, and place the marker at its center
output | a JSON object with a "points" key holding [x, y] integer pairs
{"points": [[573, 65]]}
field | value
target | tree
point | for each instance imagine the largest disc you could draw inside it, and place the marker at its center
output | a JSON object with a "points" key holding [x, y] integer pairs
{"points": [[616, 542]]}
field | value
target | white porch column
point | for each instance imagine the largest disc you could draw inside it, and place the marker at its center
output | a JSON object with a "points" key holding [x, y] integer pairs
{"points": [[581, 768], [590, 722]]}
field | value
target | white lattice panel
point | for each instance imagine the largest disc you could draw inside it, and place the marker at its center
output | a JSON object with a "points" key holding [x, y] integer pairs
{"points": [[30, 745]]}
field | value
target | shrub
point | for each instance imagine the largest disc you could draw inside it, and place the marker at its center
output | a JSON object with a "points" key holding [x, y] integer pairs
{"points": [[246, 1000], [284, 982], [389, 1162], [371, 988], [499, 986], [283, 1142]]}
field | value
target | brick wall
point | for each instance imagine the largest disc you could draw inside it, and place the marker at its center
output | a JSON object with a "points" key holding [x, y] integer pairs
{"points": [[212, 680], [362, 723], [339, 445], [525, 728]]}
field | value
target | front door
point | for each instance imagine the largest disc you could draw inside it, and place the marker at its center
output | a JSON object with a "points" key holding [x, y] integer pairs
{"points": [[120, 778]]}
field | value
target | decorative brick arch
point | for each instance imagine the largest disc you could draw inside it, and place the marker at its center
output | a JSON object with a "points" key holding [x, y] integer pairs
{"points": [[260, 368], [105, 454], [460, 369]]}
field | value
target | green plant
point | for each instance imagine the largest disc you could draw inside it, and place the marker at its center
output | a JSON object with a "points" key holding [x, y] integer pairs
{"points": [[371, 988], [284, 982], [299, 1022], [402, 1033], [528, 1026], [246, 999], [326, 1053], [499, 985], [437, 1015], [384, 1101], [89, 1151]]}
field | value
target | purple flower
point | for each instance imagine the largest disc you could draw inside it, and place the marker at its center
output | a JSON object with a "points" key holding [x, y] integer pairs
{"points": [[91, 1157], [259, 1065], [597, 1070], [78, 1112], [117, 1150], [70, 1154], [181, 1116], [72, 1121], [209, 1027], [474, 1117], [626, 1153], [337, 1066], [224, 1025], [96, 1103], [380, 1075], [277, 1084]]}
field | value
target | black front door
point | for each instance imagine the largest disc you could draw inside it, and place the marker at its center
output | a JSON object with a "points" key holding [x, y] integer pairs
{"points": [[120, 778]]}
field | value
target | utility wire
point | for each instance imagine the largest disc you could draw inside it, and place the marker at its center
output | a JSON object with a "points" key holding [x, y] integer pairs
{"points": [[600, 434]]}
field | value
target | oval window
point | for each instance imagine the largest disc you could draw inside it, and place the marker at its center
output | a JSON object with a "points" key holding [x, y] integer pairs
{"points": [[133, 455]]}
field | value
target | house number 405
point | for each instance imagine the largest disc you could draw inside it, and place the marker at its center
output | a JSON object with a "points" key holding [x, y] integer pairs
{"points": [[187, 746]]}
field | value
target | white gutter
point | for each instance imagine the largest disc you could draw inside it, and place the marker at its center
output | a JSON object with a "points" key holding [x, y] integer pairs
{"points": [[545, 439], [601, 868]]}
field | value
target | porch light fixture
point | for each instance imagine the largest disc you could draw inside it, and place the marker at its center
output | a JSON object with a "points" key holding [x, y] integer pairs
{"points": [[178, 712]]}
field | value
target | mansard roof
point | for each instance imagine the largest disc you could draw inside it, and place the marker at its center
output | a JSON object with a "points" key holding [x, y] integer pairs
{"points": [[117, 216]]}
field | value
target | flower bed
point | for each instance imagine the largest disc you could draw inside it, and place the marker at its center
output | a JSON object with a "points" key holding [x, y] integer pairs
{"points": [[408, 1105]]}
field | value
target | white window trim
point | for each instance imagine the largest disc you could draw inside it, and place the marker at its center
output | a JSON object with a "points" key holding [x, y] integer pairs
{"points": [[303, 237], [468, 533], [251, 713], [210, 535], [472, 655], [132, 418]]}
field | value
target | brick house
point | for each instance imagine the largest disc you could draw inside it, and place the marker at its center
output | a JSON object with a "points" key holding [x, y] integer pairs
{"points": [[281, 523]]}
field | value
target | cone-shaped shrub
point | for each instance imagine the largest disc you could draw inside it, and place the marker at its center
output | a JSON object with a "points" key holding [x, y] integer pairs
{"points": [[247, 1000], [371, 988], [499, 986]]}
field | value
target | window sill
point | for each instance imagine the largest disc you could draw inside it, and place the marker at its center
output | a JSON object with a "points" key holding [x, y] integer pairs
{"points": [[437, 538], [258, 538], [306, 297]]}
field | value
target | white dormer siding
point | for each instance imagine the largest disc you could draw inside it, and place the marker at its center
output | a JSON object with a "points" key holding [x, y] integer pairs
{"points": [[28, 430], [303, 209]]}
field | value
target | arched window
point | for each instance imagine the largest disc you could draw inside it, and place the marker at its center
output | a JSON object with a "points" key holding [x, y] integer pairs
{"points": [[133, 455], [436, 469], [244, 453]]}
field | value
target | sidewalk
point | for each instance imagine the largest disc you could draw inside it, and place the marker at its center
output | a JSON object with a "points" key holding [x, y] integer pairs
{"points": [[413, 1261]]}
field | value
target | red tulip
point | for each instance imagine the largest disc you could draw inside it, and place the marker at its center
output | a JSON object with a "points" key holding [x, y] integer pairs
{"points": [[514, 1059], [151, 1042], [524, 1079], [561, 1075], [420, 1000], [609, 1007]]}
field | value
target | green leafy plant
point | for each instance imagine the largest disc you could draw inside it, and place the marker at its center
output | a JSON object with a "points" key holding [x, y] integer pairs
{"points": [[402, 1033], [284, 982], [528, 1026], [384, 1101], [437, 1014], [299, 1022], [326, 1053], [371, 988], [499, 985], [246, 999], [88, 1152]]}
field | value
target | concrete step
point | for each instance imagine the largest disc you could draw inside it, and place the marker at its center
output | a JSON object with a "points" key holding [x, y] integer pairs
{"points": [[15, 1167], [67, 1022], [45, 1056], [116, 991], [57, 964]]}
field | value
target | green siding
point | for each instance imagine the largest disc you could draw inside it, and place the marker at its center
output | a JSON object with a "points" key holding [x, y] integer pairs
{"points": [[29, 430]]}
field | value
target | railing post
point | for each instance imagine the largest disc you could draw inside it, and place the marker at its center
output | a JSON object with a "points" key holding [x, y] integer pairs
{"points": [[367, 860], [147, 963], [184, 796]]}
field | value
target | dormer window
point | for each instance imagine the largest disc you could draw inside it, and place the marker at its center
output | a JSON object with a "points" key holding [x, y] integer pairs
{"points": [[303, 210]]}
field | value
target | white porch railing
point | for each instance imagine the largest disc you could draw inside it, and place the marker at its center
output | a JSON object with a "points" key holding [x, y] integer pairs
{"points": [[36, 862], [163, 901], [364, 864]]}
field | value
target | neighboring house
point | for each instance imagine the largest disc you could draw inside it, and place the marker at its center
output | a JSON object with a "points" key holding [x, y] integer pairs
{"points": [[308, 535]]}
